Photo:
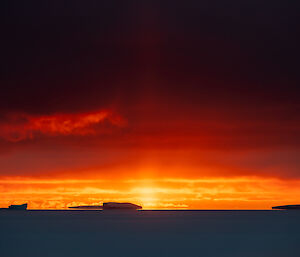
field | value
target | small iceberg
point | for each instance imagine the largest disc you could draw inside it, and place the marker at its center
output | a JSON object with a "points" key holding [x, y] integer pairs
{"points": [[21, 207], [287, 207]]}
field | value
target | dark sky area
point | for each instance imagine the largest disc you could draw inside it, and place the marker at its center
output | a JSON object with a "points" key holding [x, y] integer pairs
{"points": [[195, 83]]}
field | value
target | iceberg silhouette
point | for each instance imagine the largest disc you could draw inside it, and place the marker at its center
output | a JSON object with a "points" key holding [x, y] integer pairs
{"points": [[109, 206]]}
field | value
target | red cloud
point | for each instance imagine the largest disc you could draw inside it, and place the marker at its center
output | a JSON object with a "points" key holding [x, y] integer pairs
{"points": [[23, 126]]}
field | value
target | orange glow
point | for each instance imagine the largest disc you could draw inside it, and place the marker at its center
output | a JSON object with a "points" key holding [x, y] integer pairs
{"points": [[156, 103], [159, 193], [23, 126]]}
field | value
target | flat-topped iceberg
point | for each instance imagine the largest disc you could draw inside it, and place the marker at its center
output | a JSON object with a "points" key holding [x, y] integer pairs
{"points": [[109, 206]]}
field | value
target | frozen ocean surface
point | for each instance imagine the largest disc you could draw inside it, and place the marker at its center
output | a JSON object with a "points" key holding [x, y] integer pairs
{"points": [[150, 233]]}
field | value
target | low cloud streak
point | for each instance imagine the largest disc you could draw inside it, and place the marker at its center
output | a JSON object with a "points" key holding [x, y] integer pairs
{"points": [[18, 127]]}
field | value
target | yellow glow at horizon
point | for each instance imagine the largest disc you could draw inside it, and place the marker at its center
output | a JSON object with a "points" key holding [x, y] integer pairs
{"points": [[152, 193]]}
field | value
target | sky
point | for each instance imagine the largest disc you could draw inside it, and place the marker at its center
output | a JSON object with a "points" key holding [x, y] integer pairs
{"points": [[167, 104]]}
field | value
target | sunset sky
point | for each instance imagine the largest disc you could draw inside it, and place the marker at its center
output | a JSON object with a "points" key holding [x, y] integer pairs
{"points": [[167, 104]]}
